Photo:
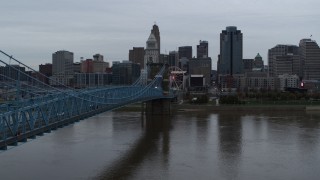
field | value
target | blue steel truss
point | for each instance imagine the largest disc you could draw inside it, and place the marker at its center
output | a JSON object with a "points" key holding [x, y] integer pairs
{"points": [[51, 107]]}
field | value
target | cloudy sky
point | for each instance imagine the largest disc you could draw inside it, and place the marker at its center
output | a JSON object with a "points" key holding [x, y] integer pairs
{"points": [[32, 30]]}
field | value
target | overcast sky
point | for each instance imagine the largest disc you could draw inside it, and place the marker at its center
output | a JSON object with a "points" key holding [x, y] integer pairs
{"points": [[32, 30]]}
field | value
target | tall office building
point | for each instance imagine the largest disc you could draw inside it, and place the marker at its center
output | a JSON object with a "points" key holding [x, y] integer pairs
{"points": [[286, 64], [185, 52], [155, 31], [173, 58], [46, 70], [86, 66], [164, 58], [62, 68], [125, 73], [184, 64], [202, 49], [77, 67], [152, 53], [276, 53], [310, 59], [136, 55], [201, 66], [248, 65], [82, 80], [230, 61], [95, 65], [62, 62], [98, 57], [11, 72]]}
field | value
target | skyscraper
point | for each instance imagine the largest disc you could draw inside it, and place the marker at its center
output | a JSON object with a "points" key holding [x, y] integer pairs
{"points": [[155, 31], [248, 65], [185, 51], [230, 61], [136, 55], [164, 58], [46, 70], [10, 72], [274, 55], [202, 49], [62, 62], [201, 66], [152, 52], [62, 68], [286, 64], [125, 73], [98, 57], [173, 58], [310, 58]]}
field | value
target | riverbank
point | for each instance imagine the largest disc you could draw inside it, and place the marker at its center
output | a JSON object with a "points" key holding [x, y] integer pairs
{"points": [[188, 107], [214, 108]]}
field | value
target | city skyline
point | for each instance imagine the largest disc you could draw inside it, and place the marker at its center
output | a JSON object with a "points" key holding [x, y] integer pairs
{"points": [[32, 31]]}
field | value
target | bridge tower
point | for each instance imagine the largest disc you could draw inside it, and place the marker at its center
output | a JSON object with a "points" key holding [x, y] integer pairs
{"points": [[159, 106]]}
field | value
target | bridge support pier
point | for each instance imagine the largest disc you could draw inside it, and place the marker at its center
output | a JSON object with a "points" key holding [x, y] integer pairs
{"points": [[4, 147], [158, 107], [23, 140]]}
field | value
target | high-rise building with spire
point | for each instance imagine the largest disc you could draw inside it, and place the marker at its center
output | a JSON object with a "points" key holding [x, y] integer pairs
{"points": [[155, 31], [152, 51]]}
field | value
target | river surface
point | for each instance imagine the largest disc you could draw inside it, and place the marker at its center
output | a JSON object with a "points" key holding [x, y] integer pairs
{"points": [[187, 145]]}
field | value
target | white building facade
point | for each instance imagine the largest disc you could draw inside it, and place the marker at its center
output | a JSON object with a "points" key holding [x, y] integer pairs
{"points": [[287, 80], [152, 52]]}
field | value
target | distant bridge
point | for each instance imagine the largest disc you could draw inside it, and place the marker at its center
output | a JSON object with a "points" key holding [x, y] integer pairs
{"points": [[40, 108]]}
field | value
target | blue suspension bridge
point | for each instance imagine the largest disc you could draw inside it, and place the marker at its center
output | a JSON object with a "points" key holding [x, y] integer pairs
{"points": [[38, 108]]}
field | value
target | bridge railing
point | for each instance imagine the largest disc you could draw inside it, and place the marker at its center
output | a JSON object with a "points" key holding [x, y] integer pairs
{"points": [[54, 107], [52, 90]]}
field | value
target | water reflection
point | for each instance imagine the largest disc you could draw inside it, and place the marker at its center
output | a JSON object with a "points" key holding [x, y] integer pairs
{"points": [[309, 132], [189, 145], [230, 137], [156, 129], [202, 124]]}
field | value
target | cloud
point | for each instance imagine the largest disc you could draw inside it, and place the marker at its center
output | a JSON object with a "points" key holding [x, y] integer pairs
{"points": [[33, 30]]}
